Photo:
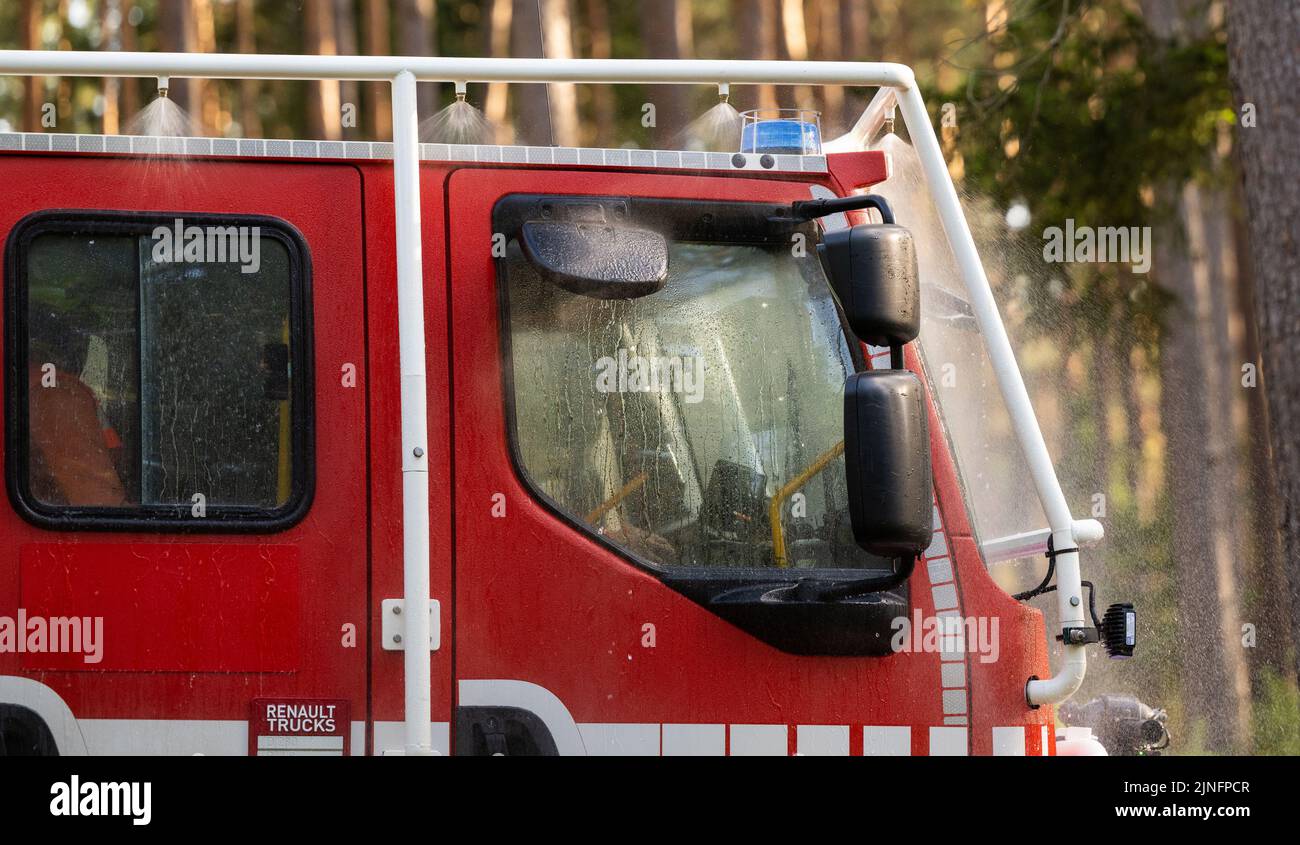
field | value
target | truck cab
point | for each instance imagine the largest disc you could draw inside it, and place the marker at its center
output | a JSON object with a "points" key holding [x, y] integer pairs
{"points": [[640, 534]]}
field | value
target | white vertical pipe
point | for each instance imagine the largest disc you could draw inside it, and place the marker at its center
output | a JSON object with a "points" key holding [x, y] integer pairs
{"points": [[415, 441], [1012, 385]]}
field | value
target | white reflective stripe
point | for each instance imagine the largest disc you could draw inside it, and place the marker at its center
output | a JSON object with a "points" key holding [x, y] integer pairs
{"points": [[887, 741], [482, 153], [164, 737], [822, 741], [760, 740], [694, 740], [390, 737], [1009, 742], [359, 738], [621, 739], [948, 742]]}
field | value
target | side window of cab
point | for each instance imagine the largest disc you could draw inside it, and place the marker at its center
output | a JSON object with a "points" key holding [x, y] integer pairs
{"points": [[158, 371]]}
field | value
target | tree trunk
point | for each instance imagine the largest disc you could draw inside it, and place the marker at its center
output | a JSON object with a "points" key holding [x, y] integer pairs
{"points": [[345, 43], [111, 24], [323, 106], [558, 44], [209, 114], [250, 120], [496, 108], [130, 88], [795, 32], [1270, 608], [1201, 453], [416, 28], [533, 111], [758, 40], [32, 15], [1264, 63], [1201, 465], [854, 46], [661, 39], [176, 35], [602, 96], [829, 49], [378, 43]]}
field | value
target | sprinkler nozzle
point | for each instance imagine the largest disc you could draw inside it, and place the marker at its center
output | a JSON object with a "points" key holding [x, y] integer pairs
{"points": [[164, 84], [724, 92], [460, 91], [888, 124]]}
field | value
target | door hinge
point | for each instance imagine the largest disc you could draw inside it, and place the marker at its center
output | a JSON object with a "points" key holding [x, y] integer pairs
{"points": [[393, 627]]}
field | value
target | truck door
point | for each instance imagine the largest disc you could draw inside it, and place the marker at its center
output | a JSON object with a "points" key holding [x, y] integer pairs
{"points": [[185, 451], [643, 482]]}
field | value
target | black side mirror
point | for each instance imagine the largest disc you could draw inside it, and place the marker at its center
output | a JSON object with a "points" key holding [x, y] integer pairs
{"points": [[873, 271], [597, 259], [887, 459]]}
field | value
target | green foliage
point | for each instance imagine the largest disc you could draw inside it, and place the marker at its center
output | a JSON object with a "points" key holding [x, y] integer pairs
{"points": [[1082, 116], [1276, 715]]}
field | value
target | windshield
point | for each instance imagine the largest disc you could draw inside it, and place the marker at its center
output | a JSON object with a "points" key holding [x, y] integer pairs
{"points": [[699, 426]]}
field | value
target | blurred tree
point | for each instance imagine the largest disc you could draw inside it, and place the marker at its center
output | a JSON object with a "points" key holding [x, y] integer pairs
{"points": [[209, 116], [532, 102], [496, 105], [758, 40], [249, 89], [1264, 41], [666, 32], [378, 43], [30, 19], [176, 35], [601, 47], [416, 25], [557, 43], [323, 115], [345, 42]]}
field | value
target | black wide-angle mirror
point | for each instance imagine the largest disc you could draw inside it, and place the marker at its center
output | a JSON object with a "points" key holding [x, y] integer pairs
{"points": [[873, 270], [887, 459], [597, 259]]}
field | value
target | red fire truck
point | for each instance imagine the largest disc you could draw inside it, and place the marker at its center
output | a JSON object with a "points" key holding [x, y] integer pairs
{"points": [[690, 489]]}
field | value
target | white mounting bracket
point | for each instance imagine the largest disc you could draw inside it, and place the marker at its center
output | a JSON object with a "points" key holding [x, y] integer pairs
{"points": [[393, 625]]}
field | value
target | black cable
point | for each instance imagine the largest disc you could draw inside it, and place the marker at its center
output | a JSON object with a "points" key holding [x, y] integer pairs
{"points": [[1092, 604], [1050, 554], [1041, 588]]}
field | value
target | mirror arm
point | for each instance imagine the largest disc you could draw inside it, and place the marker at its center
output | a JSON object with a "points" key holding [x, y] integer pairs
{"points": [[804, 210]]}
